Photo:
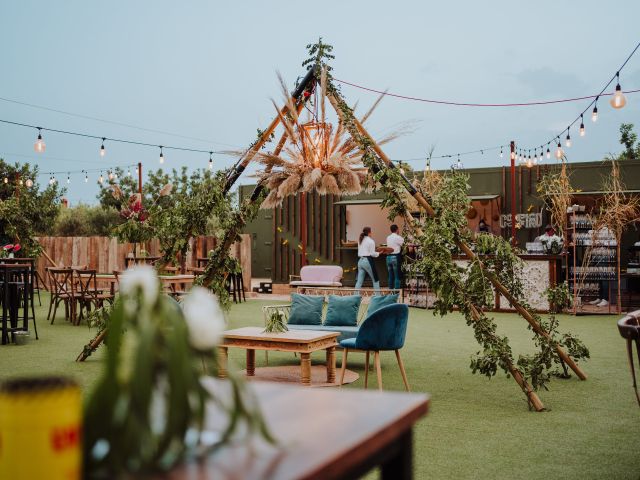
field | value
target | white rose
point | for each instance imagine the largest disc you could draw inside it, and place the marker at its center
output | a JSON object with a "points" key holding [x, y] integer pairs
{"points": [[142, 277], [204, 317]]}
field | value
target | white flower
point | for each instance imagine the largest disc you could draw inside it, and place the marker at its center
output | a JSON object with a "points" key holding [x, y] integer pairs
{"points": [[142, 277], [204, 318]]}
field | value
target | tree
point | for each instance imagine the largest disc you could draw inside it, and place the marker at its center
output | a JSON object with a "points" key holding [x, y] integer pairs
{"points": [[629, 139], [26, 211]]}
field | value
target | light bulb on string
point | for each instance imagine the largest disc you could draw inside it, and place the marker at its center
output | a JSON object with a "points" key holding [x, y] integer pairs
{"points": [[594, 113], [100, 179], [210, 161], [103, 152], [568, 139], [20, 182], [68, 178], [618, 99], [535, 157], [110, 175], [128, 172], [39, 146], [501, 153], [161, 156], [6, 180], [86, 177], [459, 164], [559, 150], [29, 183], [548, 151], [529, 161], [581, 125]]}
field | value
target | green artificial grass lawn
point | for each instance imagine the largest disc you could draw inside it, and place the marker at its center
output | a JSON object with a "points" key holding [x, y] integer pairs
{"points": [[476, 427]]}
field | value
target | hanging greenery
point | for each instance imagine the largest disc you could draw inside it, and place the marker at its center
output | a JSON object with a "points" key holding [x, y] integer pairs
{"points": [[440, 234]]}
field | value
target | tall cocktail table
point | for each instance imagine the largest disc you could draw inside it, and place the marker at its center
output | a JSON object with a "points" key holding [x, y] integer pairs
{"points": [[303, 342]]}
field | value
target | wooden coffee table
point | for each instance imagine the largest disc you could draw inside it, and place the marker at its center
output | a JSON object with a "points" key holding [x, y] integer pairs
{"points": [[303, 342]]}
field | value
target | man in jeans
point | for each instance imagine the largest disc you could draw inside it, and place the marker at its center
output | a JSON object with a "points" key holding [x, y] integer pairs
{"points": [[394, 259]]}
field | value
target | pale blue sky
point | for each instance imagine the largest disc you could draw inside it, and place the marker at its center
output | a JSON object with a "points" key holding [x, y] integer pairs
{"points": [[206, 69]]}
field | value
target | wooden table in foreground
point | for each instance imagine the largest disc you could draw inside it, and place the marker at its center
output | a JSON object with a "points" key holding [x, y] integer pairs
{"points": [[321, 433], [303, 342]]}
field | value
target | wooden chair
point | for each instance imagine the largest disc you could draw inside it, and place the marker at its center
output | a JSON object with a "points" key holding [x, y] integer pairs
{"points": [[61, 285], [90, 294], [384, 329]]}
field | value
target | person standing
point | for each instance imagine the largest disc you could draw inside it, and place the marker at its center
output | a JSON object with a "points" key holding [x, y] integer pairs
{"points": [[366, 253], [394, 259]]}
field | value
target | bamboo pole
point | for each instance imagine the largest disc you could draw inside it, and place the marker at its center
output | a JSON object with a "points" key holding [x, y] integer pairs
{"points": [[467, 251]]}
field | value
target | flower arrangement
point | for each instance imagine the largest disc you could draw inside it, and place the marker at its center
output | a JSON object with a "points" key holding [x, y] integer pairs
{"points": [[9, 250], [552, 244], [146, 413]]}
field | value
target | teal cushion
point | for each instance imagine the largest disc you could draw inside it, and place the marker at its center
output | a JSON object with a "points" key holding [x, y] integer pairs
{"points": [[379, 301], [343, 311], [306, 309]]}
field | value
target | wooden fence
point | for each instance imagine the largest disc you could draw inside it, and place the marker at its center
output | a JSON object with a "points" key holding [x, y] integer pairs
{"points": [[105, 254]]}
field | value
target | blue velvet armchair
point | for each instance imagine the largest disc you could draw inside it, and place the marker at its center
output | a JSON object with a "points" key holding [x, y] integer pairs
{"points": [[385, 329]]}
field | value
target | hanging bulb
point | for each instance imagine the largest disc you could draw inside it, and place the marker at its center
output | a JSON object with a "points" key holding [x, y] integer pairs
{"points": [[68, 178], [86, 177], [6, 180], [548, 151], [459, 163], [594, 114], [29, 183], [128, 172], [581, 125], [568, 140], [618, 100], [529, 161], [210, 161], [53, 180], [103, 152], [39, 146], [110, 175], [428, 166], [100, 179], [136, 171], [559, 151], [501, 154], [535, 157], [20, 182], [161, 156]]}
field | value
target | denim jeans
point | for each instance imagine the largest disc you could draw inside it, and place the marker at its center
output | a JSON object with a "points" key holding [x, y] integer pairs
{"points": [[364, 269], [393, 268]]}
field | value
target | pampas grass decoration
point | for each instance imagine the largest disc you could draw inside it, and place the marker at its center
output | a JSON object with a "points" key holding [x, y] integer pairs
{"points": [[316, 156], [329, 185]]}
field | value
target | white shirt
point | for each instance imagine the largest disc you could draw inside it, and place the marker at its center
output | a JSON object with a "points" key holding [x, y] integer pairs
{"points": [[367, 248], [395, 241]]}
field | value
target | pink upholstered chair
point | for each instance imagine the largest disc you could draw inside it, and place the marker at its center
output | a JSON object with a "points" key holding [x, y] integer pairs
{"points": [[318, 276]]}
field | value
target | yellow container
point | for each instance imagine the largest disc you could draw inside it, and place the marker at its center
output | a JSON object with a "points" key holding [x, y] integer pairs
{"points": [[40, 429]]}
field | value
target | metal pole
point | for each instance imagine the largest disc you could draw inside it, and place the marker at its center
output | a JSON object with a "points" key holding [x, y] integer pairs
{"points": [[140, 178], [513, 193]]}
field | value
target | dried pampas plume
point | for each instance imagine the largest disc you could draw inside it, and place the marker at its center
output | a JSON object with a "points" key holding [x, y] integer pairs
{"points": [[319, 158]]}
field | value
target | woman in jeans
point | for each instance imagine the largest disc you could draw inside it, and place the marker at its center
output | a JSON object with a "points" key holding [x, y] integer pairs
{"points": [[366, 253]]}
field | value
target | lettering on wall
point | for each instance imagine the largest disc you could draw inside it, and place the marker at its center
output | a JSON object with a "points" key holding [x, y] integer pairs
{"points": [[526, 220]]}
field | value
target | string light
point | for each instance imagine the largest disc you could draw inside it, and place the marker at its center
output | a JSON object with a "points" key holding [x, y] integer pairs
{"points": [[6, 180], [548, 151], [529, 161], [29, 183], [103, 152], [86, 177], [618, 100], [559, 150], [100, 179], [128, 172], [161, 156], [39, 146], [501, 153], [210, 161], [568, 139], [594, 113], [110, 175], [535, 157], [68, 178], [581, 125]]}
